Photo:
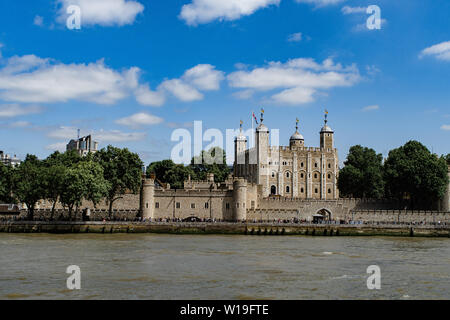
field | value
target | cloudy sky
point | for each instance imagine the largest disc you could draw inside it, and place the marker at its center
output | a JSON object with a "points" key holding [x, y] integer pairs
{"points": [[138, 69]]}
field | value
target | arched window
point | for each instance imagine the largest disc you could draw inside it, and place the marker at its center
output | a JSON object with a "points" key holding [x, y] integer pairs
{"points": [[273, 174], [288, 189], [288, 175], [273, 190]]}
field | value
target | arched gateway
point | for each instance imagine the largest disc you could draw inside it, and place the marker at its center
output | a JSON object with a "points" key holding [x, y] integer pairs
{"points": [[322, 215]]}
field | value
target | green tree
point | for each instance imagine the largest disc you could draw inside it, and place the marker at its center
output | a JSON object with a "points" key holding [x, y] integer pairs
{"points": [[413, 173], [447, 158], [5, 183], [362, 175], [55, 169], [211, 161], [160, 168], [122, 170], [28, 183], [84, 180]]}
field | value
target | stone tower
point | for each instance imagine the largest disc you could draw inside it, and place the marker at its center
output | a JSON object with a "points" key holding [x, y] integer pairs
{"points": [[239, 199], [147, 198], [240, 145], [262, 154], [326, 136], [296, 139]]}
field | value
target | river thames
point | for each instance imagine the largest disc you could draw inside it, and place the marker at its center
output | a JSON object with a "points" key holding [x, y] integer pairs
{"points": [[148, 266]]}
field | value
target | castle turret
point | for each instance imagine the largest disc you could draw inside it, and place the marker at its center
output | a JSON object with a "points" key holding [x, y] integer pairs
{"points": [[148, 198], [240, 145], [296, 139], [239, 199], [262, 151], [326, 135]]}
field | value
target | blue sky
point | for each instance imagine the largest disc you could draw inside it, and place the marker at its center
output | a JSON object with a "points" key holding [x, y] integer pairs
{"points": [[137, 70]]}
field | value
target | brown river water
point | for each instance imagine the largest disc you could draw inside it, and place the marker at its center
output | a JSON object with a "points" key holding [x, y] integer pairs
{"points": [[133, 266]]}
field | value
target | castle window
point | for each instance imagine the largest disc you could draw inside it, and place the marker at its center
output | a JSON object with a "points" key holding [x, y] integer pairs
{"points": [[329, 165], [157, 205], [315, 165], [315, 175], [178, 205], [288, 174], [146, 205], [302, 175], [288, 189], [273, 174], [302, 190], [329, 190], [206, 205], [227, 206], [316, 190], [192, 205], [301, 164], [329, 176], [237, 205]]}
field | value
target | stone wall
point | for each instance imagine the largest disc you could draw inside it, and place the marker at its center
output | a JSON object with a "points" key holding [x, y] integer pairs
{"points": [[95, 214]]}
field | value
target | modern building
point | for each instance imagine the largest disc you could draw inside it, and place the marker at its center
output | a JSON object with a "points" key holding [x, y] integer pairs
{"points": [[83, 146], [7, 160]]}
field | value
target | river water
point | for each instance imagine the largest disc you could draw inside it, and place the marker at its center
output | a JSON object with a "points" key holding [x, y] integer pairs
{"points": [[124, 266]]}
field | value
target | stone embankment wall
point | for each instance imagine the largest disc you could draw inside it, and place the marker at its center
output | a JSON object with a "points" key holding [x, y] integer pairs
{"points": [[95, 215], [224, 228]]}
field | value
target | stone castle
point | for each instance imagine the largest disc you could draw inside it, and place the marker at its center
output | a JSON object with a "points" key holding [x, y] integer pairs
{"points": [[268, 183]]}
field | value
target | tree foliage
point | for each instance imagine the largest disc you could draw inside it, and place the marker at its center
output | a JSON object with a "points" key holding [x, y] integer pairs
{"points": [[211, 161], [5, 183], [413, 173], [122, 170], [28, 183], [362, 176]]}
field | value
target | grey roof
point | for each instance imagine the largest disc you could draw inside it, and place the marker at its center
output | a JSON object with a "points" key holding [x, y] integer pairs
{"points": [[326, 128], [297, 136]]}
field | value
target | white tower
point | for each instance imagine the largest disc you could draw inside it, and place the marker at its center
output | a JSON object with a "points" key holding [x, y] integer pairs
{"points": [[262, 155], [240, 145]]}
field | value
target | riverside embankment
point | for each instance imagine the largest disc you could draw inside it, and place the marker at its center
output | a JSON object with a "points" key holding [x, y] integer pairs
{"points": [[261, 229]]}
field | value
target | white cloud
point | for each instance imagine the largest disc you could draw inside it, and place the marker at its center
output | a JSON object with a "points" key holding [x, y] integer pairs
{"points": [[371, 108], [295, 37], [204, 77], [298, 79], [30, 79], [58, 146], [38, 21], [102, 136], [140, 119], [182, 90], [147, 97], [320, 3], [103, 12], [20, 124], [204, 11], [446, 127], [15, 110], [440, 51], [352, 10], [35, 80]]}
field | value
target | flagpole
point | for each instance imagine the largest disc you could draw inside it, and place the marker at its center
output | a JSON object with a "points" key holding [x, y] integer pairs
{"points": [[253, 134]]}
